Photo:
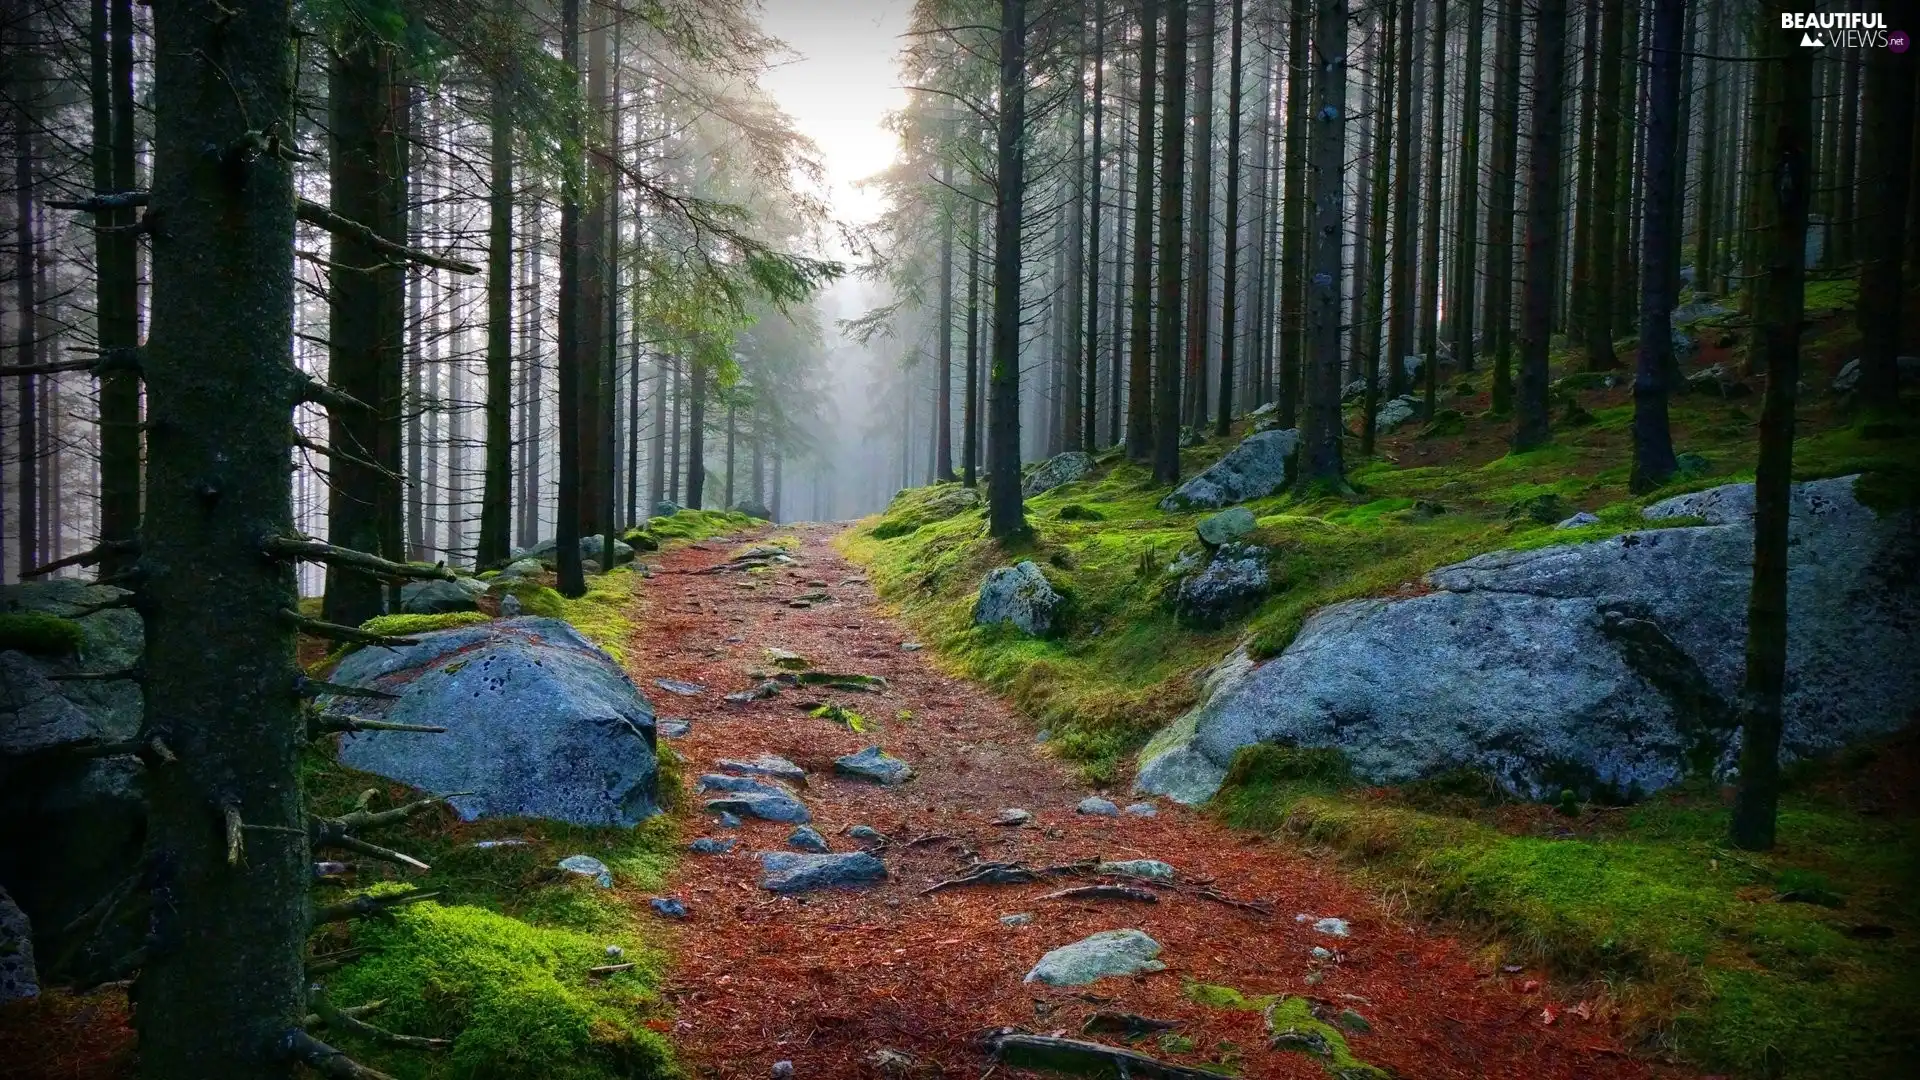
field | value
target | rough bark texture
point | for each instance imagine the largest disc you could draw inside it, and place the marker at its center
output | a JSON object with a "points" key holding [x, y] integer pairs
{"points": [[1200, 222], [1293, 239], [1377, 258], [498, 479], [1886, 194], [1140, 343], [1006, 513], [566, 532], [1430, 250], [1784, 126], [1467, 224], [1405, 214], [1173, 167], [1653, 459], [222, 983], [1320, 457], [970, 407], [1543, 223], [367, 318], [1229, 293], [1090, 385], [1597, 316], [118, 305], [1504, 167], [943, 403]]}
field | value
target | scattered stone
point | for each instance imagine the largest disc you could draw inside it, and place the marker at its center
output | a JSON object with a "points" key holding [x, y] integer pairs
{"points": [[1230, 524], [1256, 468], [1545, 509], [712, 845], [1021, 918], [738, 785], [540, 723], [867, 833], [800, 604], [1143, 809], [1395, 412], [1111, 952], [437, 597], [519, 568], [1098, 807], [591, 549], [1149, 869], [1321, 952], [1055, 471], [1354, 1022], [1020, 595], [615, 952], [786, 659], [874, 764], [753, 508], [1848, 379], [891, 1063], [766, 765], [1012, 815], [758, 692], [509, 606], [1718, 381], [671, 907], [1333, 926], [681, 687], [1580, 519], [674, 729], [783, 1070], [730, 820], [18, 978], [778, 806], [808, 838], [665, 508], [1235, 581], [911, 646], [791, 872], [489, 845], [588, 867]]}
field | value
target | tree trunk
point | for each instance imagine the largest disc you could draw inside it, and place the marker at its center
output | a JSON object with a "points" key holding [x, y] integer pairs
{"points": [[1006, 514], [1377, 257], [223, 984], [1845, 203], [1652, 438], [1067, 348], [1320, 456], [1200, 224], [1117, 326], [1229, 292], [366, 320], [1089, 421], [1460, 300], [1293, 241], [591, 434], [1597, 316], [1140, 344], [118, 265], [697, 429], [1885, 197], [970, 407], [1430, 253], [1784, 123], [732, 435], [1543, 222], [494, 547], [27, 70], [566, 533], [657, 480], [1706, 209], [1504, 168], [943, 405], [1173, 168], [1406, 213], [1578, 275]]}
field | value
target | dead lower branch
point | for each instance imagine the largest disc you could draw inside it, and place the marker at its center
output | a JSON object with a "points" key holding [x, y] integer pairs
{"points": [[315, 214], [315, 392], [338, 1019], [308, 687], [363, 906], [1103, 892], [1023, 1051], [320, 724], [90, 557], [325, 1060], [351, 635], [307, 549]]}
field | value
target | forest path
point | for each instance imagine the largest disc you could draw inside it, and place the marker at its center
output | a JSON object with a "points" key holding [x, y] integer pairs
{"points": [[829, 979]]}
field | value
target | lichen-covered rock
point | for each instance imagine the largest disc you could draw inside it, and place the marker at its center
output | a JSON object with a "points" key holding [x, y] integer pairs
{"points": [[1020, 595], [1394, 412], [1098, 807], [1225, 526], [792, 871], [1256, 468], [1233, 582], [519, 568], [588, 867], [665, 508], [874, 764], [774, 806], [1610, 668], [765, 765], [1057, 470], [740, 785], [1150, 869], [808, 838], [1110, 952], [754, 508], [541, 723], [591, 549], [437, 597]]}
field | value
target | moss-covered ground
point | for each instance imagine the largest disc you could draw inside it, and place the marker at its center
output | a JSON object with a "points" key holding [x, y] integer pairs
{"points": [[1694, 944], [500, 962]]}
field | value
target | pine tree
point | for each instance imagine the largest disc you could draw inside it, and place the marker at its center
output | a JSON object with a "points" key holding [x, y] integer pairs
{"points": [[1320, 451], [1543, 203], [1173, 167], [1653, 460], [1006, 512]]}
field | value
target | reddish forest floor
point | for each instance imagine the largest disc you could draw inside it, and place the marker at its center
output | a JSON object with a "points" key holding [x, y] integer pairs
{"points": [[828, 980]]}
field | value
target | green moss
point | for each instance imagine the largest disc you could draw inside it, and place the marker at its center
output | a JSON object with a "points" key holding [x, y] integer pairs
{"points": [[41, 634], [1266, 779], [535, 598], [1291, 1025], [406, 625], [602, 614], [513, 997], [694, 525]]}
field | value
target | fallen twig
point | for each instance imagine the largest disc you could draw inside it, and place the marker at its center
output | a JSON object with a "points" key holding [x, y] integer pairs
{"points": [[1103, 892]]}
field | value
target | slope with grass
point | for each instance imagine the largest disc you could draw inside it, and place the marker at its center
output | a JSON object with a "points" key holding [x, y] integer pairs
{"points": [[1712, 955]]}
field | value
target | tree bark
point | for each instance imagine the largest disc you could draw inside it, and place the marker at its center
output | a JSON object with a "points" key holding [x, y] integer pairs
{"points": [[1460, 301], [1504, 169], [27, 68], [1406, 213], [1320, 458], [1430, 253], [1578, 273], [943, 405], [1230, 287], [1140, 344], [697, 428], [494, 546], [1783, 125], [1707, 210], [1653, 459], [1200, 224], [1173, 167], [1293, 238], [1543, 223], [1597, 316], [1886, 194], [222, 986], [566, 533], [1006, 514], [118, 265], [1067, 430], [1090, 417], [969, 408], [1377, 257]]}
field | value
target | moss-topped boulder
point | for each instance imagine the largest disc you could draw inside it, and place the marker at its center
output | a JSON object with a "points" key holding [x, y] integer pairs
{"points": [[1261, 465]]}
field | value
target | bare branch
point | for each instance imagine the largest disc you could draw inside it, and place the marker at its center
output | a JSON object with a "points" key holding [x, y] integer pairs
{"points": [[324, 1059], [362, 906], [334, 724], [315, 214], [347, 1020], [102, 203], [315, 392], [89, 557], [335, 632], [1103, 892], [309, 687], [311, 550]]}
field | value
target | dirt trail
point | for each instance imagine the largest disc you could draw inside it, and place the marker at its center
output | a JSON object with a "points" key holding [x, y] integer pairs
{"points": [[828, 979]]}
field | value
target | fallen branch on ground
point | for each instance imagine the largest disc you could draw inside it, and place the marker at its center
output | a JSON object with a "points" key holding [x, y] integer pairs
{"points": [[1020, 1050], [326, 1060], [1103, 892], [362, 906]]}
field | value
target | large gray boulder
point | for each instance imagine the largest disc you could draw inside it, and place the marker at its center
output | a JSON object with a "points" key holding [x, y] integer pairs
{"points": [[1057, 470], [591, 548], [793, 871], [75, 826], [1256, 468], [1394, 412], [1610, 667], [437, 597], [1020, 595], [1234, 582], [540, 723]]}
